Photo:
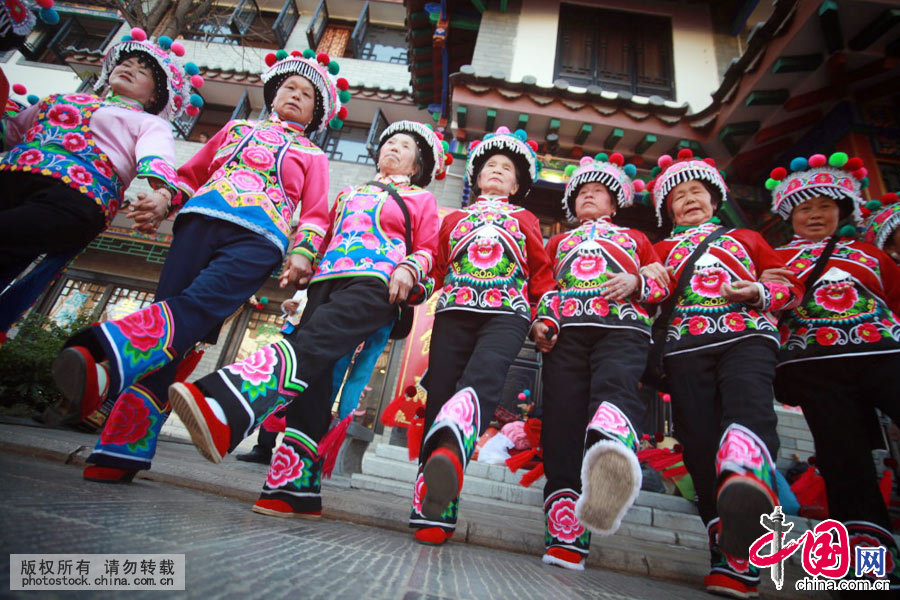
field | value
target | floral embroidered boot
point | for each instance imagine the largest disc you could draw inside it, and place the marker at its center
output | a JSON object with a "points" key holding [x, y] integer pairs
{"points": [[566, 539], [294, 481], [83, 381], [746, 475], [729, 576], [457, 423], [433, 532], [610, 472], [864, 534], [127, 443]]}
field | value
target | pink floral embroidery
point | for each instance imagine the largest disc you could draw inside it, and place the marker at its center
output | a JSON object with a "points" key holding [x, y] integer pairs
{"points": [[247, 180], [837, 297], [609, 418], [554, 305], [697, 325], [164, 169], [103, 167], [35, 130], [869, 332], [285, 213], [485, 253], [359, 203], [588, 267], [395, 255], [73, 142], [143, 328], [128, 422], [64, 115], [358, 221], [600, 306], [464, 295], [511, 226], [286, 466], [419, 493], [275, 195], [823, 178], [741, 449], [562, 522], [343, 263], [385, 267], [370, 241], [461, 229], [258, 157], [256, 368], [708, 282], [30, 157], [270, 137], [460, 409], [81, 98], [569, 307], [80, 175], [493, 298], [735, 321]]}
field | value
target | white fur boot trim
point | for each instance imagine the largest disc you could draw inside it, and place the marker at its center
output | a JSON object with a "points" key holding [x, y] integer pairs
{"points": [[606, 492]]}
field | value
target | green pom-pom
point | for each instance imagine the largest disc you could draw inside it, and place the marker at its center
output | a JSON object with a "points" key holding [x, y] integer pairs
{"points": [[126, 38], [838, 159], [771, 184], [336, 123], [570, 169], [334, 68], [309, 53], [873, 204], [630, 170], [263, 300], [344, 95], [602, 157], [281, 54], [864, 182], [655, 171], [521, 134], [847, 231], [445, 145]]}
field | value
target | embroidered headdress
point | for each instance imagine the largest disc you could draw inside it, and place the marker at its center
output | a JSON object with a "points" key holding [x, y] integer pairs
{"points": [[611, 171], [883, 219], [17, 20], [432, 148], [670, 172], [838, 177], [517, 146]]}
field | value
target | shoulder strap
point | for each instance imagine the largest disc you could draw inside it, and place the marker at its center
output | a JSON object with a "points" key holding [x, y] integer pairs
{"points": [[819, 268], [403, 208], [669, 305]]}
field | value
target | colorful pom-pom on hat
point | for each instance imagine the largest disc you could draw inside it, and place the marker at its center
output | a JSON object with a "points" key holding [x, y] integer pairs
{"points": [[180, 81], [331, 93], [669, 172], [837, 176], [883, 221], [515, 145], [611, 171], [432, 148], [17, 17]]}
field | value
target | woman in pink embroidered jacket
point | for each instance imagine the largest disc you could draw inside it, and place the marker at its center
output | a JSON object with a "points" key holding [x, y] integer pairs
{"points": [[72, 156], [246, 183], [840, 349], [373, 259]]}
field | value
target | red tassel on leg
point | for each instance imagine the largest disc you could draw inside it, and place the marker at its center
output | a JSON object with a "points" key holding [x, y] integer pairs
{"points": [[331, 445], [414, 437], [274, 423], [520, 460], [532, 475]]}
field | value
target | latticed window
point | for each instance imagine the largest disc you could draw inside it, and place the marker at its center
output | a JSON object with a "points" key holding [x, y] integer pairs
{"points": [[82, 30], [246, 24], [262, 329], [360, 39], [101, 301], [618, 51]]}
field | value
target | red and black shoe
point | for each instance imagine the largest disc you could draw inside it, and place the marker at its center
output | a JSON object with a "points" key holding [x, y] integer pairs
{"points": [[76, 373], [443, 474], [432, 536], [567, 559], [108, 474], [280, 508], [740, 502], [210, 435], [721, 584]]}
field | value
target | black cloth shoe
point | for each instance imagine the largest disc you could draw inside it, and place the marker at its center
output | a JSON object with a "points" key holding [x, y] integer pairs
{"points": [[257, 455]]}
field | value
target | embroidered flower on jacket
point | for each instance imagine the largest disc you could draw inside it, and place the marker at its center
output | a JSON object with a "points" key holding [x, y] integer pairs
{"points": [[247, 180], [493, 298], [464, 295], [74, 142], [485, 253], [588, 267], [600, 306], [868, 332], [837, 297], [270, 137], [33, 132], [30, 157], [256, 368], [562, 522], [826, 336], [286, 466], [708, 282], [370, 241], [163, 169], [344, 263], [64, 115], [81, 98], [569, 307], [697, 325], [358, 221], [103, 167], [128, 422], [735, 321], [80, 175]]}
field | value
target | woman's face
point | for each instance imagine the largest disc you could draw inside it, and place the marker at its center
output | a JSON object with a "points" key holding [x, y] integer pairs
{"points": [[498, 176], [295, 100], [132, 79], [690, 203], [398, 155], [816, 219], [892, 245], [593, 201]]}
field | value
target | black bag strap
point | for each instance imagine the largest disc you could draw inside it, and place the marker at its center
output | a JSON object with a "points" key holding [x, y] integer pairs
{"points": [[665, 314], [402, 204], [819, 268]]}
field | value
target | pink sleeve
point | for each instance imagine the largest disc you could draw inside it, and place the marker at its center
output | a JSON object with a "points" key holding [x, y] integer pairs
{"points": [[154, 153], [14, 127], [313, 201], [425, 225], [197, 170]]}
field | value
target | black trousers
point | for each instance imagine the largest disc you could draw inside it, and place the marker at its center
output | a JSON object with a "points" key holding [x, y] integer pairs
{"points": [[712, 388], [588, 366], [839, 397], [41, 215], [470, 349]]}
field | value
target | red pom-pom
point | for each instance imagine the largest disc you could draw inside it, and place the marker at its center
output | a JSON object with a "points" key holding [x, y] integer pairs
{"points": [[616, 158], [678, 449], [197, 81], [342, 84], [811, 460], [439, 135], [853, 164], [889, 198], [473, 143], [271, 59], [645, 437], [860, 172], [342, 113], [177, 49], [664, 161], [192, 110], [818, 160], [323, 58], [666, 397], [710, 161], [685, 153], [533, 145], [448, 159], [651, 184], [658, 437], [639, 185], [440, 175], [411, 391], [778, 173], [45, 3], [138, 34], [20, 89], [296, 53]]}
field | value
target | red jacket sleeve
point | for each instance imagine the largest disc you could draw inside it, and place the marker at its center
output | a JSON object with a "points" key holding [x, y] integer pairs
{"points": [[540, 274], [197, 170], [442, 257], [775, 296], [648, 289], [890, 280]]}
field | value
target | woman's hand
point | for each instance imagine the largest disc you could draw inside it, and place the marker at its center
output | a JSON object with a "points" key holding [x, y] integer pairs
{"points": [[776, 275], [297, 270], [539, 333], [657, 273], [402, 280], [619, 286], [745, 292], [289, 306], [149, 210]]}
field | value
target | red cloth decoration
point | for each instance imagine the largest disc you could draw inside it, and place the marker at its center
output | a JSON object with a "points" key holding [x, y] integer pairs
{"points": [[330, 445], [187, 365]]}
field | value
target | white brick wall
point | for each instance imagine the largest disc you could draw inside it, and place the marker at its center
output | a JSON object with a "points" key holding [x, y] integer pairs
{"points": [[496, 41]]}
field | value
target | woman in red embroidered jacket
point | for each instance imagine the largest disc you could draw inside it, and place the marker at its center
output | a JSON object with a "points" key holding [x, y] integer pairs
{"points": [[840, 351], [492, 268], [719, 355], [366, 269], [603, 275], [72, 156], [247, 181]]}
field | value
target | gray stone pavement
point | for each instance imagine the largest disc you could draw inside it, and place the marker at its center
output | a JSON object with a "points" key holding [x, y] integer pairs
{"points": [[232, 552]]}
